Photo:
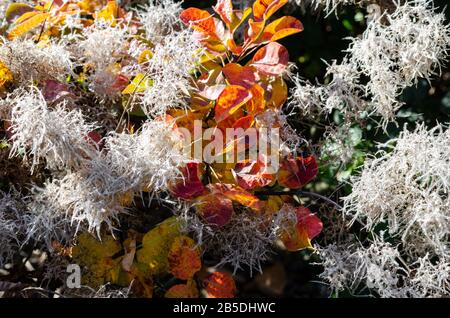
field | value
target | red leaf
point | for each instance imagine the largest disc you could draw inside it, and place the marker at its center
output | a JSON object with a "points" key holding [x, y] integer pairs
{"points": [[239, 75], [216, 209], [120, 82], [220, 285], [307, 227], [271, 59], [96, 137], [230, 100], [54, 91], [225, 9], [310, 221], [191, 185], [294, 173], [252, 174]]}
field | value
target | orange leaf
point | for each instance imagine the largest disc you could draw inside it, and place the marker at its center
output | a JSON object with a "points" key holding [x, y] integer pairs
{"points": [[26, 16], [273, 204], [252, 174], [184, 258], [271, 59], [188, 290], [257, 104], [295, 239], [200, 20], [239, 75], [294, 173], [191, 185], [27, 25], [263, 9], [230, 100], [281, 28], [220, 285], [234, 48], [244, 122], [307, 227], [216, 209], [236, 194], [255, 28]]}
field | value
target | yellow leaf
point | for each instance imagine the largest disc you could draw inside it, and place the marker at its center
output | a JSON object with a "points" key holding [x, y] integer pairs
{"points": [[138, 85], [96, 257], [5, 75], [145, 56], [27, 25], [16, 9], [26, 16], [240, 17], [279, 93], [156, 244], [109, 13]]}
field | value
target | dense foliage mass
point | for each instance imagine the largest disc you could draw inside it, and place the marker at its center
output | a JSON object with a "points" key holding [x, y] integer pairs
{"points": [[163, 150]]}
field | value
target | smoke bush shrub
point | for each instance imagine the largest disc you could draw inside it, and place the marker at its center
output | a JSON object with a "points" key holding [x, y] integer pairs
{"points": [[107, 103]]}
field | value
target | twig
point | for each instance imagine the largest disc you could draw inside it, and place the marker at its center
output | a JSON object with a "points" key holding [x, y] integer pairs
{"points": [[302, 193]]}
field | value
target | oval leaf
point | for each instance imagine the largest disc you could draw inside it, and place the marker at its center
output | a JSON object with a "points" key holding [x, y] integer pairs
{"points": [[156, 244], [184, 258], [200, 20], [138, 85], [271, 59], [281, 28], [27, 25], [191, 185], [263, 9], [15, 10], [225, 9], [252, 174], [294, 173], [239, 75], [188, 290], [215, 209], [307, 227], [230, 100], [220, 285]]}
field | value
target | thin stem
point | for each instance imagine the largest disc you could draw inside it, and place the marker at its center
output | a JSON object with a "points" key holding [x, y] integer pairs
{"points": [[45, 21], [303, 193]]}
